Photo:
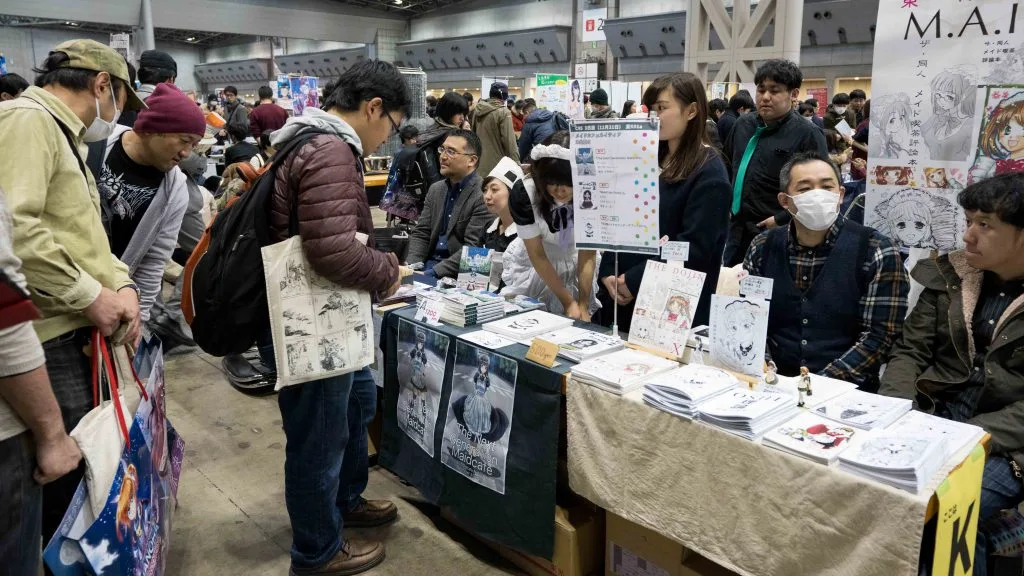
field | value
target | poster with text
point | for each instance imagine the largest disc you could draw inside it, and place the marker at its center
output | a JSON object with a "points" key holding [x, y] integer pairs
{"points": [[421, 358], [479, 421], [946, 111], [553, 92], [615, 184], [662, 317]]}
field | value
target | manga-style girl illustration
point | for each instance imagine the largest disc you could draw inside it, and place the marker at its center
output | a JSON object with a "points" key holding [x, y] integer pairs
{"points": [[1001, 146], [893, 175], [477, 411], [419, 361], [890, 126], [677, 310], [948, 132], [918, 219]]}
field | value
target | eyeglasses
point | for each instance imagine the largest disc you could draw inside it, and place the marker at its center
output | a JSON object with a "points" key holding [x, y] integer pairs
{"points": [[442, 151], [394, 126]]}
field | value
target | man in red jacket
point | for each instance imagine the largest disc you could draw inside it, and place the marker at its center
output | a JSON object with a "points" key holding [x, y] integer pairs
{"points": [[267, 116], [325, 420]]}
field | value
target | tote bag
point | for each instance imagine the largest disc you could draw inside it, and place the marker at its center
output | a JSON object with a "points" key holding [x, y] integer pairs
{"points": [[319, 329]]}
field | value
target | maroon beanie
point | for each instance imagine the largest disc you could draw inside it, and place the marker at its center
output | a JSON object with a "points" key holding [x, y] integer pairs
{"points": [[170, 112]]}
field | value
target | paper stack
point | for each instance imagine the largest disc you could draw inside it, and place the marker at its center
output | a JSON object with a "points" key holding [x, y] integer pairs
{"points": [[579, 344], [748, 413], [621, 372], [864, 410], [960, 437], [522, 303], [683, 390], [528, 325], [901, 461], [811, 436], [469, 308]]}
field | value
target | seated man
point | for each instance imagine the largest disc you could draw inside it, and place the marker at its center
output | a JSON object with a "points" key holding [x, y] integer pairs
{"points": [[454, 214], [959, 356], [840, 290]]}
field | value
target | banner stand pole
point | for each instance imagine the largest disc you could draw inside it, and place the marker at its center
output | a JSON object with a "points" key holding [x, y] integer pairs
{"points": [[615, 299]]}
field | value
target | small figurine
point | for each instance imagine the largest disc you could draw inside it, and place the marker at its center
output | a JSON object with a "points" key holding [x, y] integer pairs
{"points": [[771, 375], [803, 386], [805, 376]]}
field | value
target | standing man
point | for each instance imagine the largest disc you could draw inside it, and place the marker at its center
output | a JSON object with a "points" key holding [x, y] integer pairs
{"points": [[739, 104], [267, 116], [758, 146], [72, 276], [235, 113], [325, 421], [838, 112], [472, 108], [599, 105], [155, 67], [454, 214], [857, 99], [492, 123]]}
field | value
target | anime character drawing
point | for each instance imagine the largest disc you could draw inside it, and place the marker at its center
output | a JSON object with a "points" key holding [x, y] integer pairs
{"points": [[127, 504], [581, 344], [677, 311], [477, 410], [575, 100], [419, 361], [947, 133], [825, 436], [890, 126], [938, 178], [915, 218], [735, 339], [893, 175], [892, 452], [524, 324], [1001, 144], [636, 369]]}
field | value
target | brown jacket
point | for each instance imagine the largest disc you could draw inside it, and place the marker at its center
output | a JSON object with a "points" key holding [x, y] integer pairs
{"points": [[326, 177]]}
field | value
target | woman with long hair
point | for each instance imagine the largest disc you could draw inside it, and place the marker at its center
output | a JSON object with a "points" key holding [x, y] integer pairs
{"points": [[695, 196], [628, 108], [541, 205]]}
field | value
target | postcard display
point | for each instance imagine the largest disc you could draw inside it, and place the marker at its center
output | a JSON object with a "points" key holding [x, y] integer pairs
{"points": [[615, 187], [474, 429], [948, 95]]}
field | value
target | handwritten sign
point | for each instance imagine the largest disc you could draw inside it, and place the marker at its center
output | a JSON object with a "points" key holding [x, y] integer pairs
{"points": [[675, 251], [542, 352], [959, 502], [430, 311], [756, 287]]}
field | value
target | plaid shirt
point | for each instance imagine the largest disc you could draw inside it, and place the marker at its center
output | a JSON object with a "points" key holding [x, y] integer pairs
{"points": [[882, 307]]}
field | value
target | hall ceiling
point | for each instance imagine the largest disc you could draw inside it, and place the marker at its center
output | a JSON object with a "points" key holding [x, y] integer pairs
{"points": [[205, 39], [405, 7]]}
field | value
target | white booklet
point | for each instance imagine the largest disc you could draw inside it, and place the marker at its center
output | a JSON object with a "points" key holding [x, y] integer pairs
{"points": [[958, 435], [578, 344], [487, 339], [864, 410], [744, 405], [665, 305], [621, 371], [813, 437], [693, 383], [528, 324], [906, 462]]}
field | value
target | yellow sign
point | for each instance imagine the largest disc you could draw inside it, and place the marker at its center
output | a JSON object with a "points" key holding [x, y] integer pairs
{"points": [[542, 352], [959, 502]]}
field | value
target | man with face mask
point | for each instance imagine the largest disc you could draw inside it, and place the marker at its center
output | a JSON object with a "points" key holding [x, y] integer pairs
{"points": [[839, 111], [840, 290], [72, 276]]}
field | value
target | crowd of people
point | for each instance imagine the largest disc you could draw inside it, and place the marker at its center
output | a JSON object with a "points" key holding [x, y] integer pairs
{"points": [[91, 212]]}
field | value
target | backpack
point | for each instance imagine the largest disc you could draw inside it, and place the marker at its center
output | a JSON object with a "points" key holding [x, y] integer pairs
{"points": [[559, 121], [418, 169], [224, 297]]}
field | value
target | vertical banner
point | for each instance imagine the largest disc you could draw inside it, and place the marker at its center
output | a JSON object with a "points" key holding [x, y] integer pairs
{"points": [[948, 95], [122, 44], [821, 95], [421, 359], [615, 184], [593, 25], [553, 92]]}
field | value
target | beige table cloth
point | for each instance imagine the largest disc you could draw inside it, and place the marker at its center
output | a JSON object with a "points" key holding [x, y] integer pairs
{"points": [[752, 509]]}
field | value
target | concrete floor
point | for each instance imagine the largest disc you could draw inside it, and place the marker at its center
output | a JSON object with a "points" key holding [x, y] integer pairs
{"points": [[231, 517]]}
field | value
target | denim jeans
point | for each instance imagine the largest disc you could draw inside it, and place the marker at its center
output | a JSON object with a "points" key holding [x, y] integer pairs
{"points": [[999, 489], [326, 462], [21, 507]]}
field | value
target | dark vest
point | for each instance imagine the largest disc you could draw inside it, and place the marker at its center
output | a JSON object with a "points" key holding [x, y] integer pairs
{"points": [[815, 327]]}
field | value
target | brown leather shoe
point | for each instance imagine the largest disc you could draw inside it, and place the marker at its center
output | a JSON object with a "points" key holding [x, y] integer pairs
{"points": [[371, 513], [355, 557]]}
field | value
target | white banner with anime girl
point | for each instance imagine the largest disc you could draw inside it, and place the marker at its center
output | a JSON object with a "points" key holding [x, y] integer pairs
{"points": [[947, 109]]}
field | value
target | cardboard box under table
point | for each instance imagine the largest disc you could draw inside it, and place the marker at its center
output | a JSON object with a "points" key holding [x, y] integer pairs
{"points": [[751, 509]]}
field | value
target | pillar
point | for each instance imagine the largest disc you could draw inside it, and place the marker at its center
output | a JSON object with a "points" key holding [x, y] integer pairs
{"points": [[146, 30]]}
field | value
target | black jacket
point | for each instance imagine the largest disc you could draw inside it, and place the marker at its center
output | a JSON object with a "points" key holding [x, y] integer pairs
{"points": [[778, 142], [725, 124], [694, 210]]}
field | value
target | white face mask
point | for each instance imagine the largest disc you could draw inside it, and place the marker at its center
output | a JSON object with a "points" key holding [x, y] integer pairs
{"points": [[101, 129], [840, 110], [816, 209]]}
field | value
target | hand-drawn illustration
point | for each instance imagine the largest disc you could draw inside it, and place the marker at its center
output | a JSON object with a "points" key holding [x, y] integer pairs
{"points": [[1001, 141], [916, 218], [890, 126], [524, 324], [941, 178], [947, 133], [739, 329], [332, 353], [665, 304], [891, 452], [479, 419], [301, 357], [293, 282], [421, 360], [677, 309], [332, 311], [824, 436], [893, 175], [297, 322]]}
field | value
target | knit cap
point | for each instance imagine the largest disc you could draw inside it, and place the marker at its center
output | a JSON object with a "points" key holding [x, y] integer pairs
{"points": [[170, 112]]}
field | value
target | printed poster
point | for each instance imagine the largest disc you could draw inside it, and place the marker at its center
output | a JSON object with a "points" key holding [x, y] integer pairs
{"points": [[476, 432], [948, 95], [553, 92], [576, 111], [421, 359], [310, 87], [664, 309], [739, 332], [283, 91], [298, 102], [821, 96], [474, 268], [615, 184]]}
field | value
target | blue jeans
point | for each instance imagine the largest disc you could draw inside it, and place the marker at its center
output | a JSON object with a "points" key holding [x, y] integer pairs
{"points": [[326, 461], [1000, 489], [21, 507]]}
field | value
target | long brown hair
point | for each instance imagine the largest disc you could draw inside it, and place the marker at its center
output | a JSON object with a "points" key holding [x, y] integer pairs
{"points": [[694, 148]]}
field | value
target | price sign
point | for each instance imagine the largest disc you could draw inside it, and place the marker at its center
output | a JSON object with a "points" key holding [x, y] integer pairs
{"points": [[675, 251], [430, 311], [542, 352], [756, 287]]}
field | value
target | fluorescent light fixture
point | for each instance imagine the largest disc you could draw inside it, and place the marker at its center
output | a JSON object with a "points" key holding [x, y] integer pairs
{"points": [[190, 39], [398, 2]]}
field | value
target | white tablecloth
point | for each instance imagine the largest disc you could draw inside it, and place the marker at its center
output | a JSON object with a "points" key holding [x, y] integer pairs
{"points": [[752, 509]]}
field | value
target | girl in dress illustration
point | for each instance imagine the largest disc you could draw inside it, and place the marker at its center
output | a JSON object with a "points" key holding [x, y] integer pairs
{"points": [[1001, 146], [893, 175], [419, 361], [825, 436], [948, 132], [677, 311], [890, 121], [917, 219], [477, 412]]}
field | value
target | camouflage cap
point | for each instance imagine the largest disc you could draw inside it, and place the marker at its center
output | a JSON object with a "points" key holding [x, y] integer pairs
{"points": [[91, 55]]}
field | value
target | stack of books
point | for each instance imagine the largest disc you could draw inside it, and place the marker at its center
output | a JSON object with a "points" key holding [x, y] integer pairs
{"points": [[864, 410], [527, 325], [748, 413], [896, 459], [465, 307], [960, 437], [522, 303], [621, 372], [812, 437], [579, 344], [683, 390]]}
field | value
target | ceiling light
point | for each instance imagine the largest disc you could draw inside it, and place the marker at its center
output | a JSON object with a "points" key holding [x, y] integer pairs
{"points": [[71, 23], [190, 39], [398, 2]]}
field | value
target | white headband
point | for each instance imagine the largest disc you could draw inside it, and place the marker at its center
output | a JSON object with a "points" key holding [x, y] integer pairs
{"points": [[552, 151]]}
